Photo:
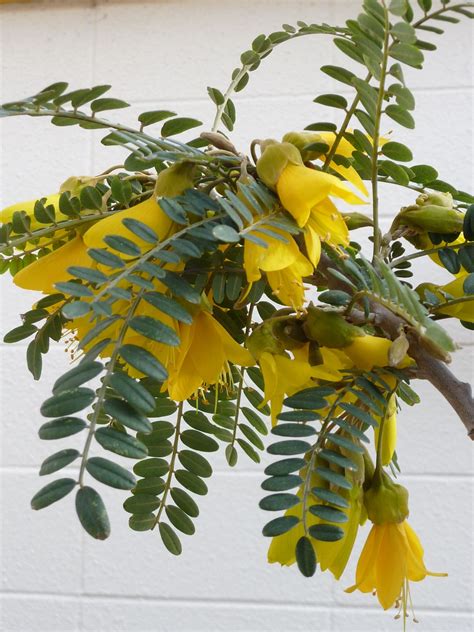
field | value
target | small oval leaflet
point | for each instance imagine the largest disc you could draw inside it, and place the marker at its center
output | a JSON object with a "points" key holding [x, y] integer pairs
{"points": [[52, 492], [305, 557], [67, 402], [62, 427], [110, 473], [92, 513], [280, 525], [78, 375], [121, 443]]}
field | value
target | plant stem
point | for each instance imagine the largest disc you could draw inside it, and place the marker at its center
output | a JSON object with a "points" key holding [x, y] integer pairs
{"points": [[376, 136], [105, 384], [174, 454]]}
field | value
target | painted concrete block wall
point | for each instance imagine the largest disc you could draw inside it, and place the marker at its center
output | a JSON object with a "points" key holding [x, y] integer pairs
{"points": [[163, 54]]}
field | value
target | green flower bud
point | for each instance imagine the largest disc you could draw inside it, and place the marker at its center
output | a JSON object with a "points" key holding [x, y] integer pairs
{"points": [[432, 219], [357, 220], [75, 184], [301, 140], [264, 339], [290, 332], [436, 198], [275, 157], [329, 329], [386, 501], [175, 180]]}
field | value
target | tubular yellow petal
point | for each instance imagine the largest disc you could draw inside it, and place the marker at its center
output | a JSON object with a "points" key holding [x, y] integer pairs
{"points": [[44, 273], [329, 224], [6, 214], [147, 212], [276, 256], [287, 283], [365, 572], [464, 310], [312, 243], [391, 565]]}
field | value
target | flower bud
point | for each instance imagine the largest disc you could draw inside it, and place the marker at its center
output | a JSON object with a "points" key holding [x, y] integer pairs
{"points": [[174, 180], [290, 333], [329, 329], [432, 219], [275, 157], [385, 501], [263, 339], [75, 184], [436, 198], [357, 220], [302, 139]]}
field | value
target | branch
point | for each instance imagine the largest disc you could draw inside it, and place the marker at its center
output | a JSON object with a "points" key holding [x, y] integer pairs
{"points": [[457, 393]]}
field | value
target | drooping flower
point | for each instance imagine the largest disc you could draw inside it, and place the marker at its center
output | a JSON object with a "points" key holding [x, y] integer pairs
{"points": [[147, 212], [461, 287], [6, 214], [42, 275], [283, 263], [203, 356], [389, 431], [392, 556], [284, 376], [302, 189]]}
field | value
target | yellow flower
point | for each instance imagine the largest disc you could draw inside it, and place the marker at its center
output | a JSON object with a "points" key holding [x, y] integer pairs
{"points": [[45, 272], [283, 263], [369, 351], [202, 357], [6, 214], [284, 376], [463, 310], [346, 149], [147, 212], [301, 189], [332, 556], [325, 223], [389, 431], [392, 556]]}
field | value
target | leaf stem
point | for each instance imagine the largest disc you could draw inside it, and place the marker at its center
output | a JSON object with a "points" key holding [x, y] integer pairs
{"points": [[174, 454], [103, 389]]}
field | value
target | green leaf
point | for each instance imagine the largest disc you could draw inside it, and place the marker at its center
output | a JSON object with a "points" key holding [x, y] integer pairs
{"points": [[285, 466], [394, 171], [407, 54], [152, 485], [307, 399], [110, 473], [338, 459], [20, 333], [52, 492], [450, 260], [468, 224], [154, 116], [92, 513], [67, 402], [328, 513], [305, 557], [168, 306], [326, 532], [180, 520], [191, 482], [178, 125], [249, 451], [292, 446], [293, 430], [226, 233], [423, 174], [123, 245], [121, 443], [74, 289], [256, 421], [105, 257], [101, 105], [397, 151], [141, 503], [400, 115], [57, 461], [330, 497], [349, 49], [170, 539], [278, 502], [346, 443], [216, 95], [142, 360], [333, 477], [199, 441], [184, 501], [231, 455], [91, 198], [281, 483], [154, 330], [34, 359], [78, 375], [60, 428], [133, 392], [142, 522], [404, 32], [332, 100], [340, 74], [280, 525], [195, 463], [151, 467], [398, 7]]}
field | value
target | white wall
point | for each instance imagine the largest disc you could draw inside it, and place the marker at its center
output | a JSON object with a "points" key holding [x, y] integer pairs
{"points": [[164, 54]]}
